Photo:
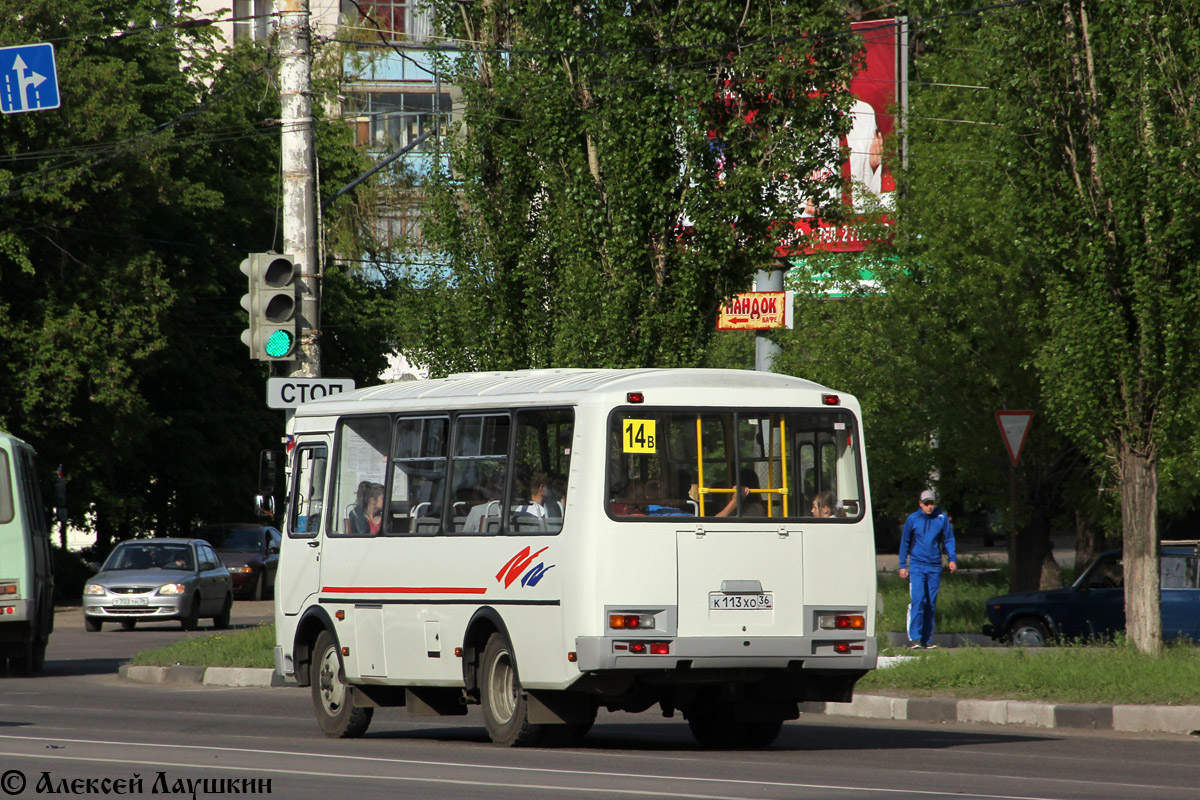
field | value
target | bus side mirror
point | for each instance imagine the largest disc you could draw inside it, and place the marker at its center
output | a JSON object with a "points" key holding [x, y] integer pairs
{"points": [[267, 461], [264, 506]]}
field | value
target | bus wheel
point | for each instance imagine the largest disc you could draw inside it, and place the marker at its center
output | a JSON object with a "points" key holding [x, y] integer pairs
{"points": [[717, 730], [37, 656], [761, 734], [505, 710], [332, 698]]}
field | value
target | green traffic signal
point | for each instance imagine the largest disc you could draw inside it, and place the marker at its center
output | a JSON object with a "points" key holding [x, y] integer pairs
{"points": [[280, 343], [271, 307]]}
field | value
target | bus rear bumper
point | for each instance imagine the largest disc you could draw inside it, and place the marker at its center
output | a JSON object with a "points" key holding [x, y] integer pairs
{"points": [[601, 653]]}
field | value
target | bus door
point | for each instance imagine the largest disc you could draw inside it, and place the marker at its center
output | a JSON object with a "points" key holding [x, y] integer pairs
{"points": [[299, 574]]}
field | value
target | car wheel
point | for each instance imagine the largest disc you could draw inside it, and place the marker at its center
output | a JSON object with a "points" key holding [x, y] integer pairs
{"points": [[129, 624], [192, 621], [505, 709], [222, 620], [91, 624], [333, 700], [1029, 632], [257, 594]]}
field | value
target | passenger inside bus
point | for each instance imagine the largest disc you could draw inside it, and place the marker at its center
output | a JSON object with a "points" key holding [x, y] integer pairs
{"points": [[823, 504], [366, 517], [752, 504], [630, 501], [656, 503]]}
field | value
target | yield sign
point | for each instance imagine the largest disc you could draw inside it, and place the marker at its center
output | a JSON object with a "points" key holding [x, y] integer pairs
{"points": [[1014, 425]]}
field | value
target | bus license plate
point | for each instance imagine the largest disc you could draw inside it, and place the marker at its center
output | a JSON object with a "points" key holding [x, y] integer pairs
{"points": [[741, 602], [131, 601]]}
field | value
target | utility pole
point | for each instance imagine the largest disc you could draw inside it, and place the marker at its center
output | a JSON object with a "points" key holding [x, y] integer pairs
{"points": [[765, 350], [299, 212]]}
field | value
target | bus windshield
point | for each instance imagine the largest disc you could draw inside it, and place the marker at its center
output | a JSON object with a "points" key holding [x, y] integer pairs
{"points": [[737, 463]]}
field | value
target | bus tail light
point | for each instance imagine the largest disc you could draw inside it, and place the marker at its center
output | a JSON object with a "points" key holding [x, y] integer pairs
{"points": [[635, 397], [643, 648], [842, 648], [842, 622], [831, 399], [8, 588], [626, 622]]}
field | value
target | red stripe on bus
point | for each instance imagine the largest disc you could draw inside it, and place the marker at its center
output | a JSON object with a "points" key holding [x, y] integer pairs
{"points": [[405, 589]]}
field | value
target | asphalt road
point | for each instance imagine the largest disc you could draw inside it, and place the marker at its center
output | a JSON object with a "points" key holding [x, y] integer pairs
{"points": [[79, 722]]}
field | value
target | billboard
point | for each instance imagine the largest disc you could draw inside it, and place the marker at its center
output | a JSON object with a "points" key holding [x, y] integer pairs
{"points": [[877, 88]]}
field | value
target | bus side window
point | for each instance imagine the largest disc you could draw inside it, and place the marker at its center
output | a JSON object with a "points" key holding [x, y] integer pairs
{"points": [[308, 490], [364, 443], [479, 472], [418, 475]]}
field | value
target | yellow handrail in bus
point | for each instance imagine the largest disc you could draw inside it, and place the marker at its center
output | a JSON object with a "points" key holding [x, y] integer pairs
{"points": [[782, 491]]}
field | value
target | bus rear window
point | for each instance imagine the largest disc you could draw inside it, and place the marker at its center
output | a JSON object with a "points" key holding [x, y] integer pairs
{"points": [[746, 464]]}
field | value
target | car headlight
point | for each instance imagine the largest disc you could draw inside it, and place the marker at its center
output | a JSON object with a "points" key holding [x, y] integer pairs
{"points": [[172, 588], [244, 569], [93, 588]]}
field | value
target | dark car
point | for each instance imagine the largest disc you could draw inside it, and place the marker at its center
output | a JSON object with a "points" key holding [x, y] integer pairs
{"points": [[148, 580], [251, 552], [1094, 606]]}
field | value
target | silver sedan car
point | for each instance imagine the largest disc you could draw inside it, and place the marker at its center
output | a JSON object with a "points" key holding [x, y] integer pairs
{"points": [[159, 579]]}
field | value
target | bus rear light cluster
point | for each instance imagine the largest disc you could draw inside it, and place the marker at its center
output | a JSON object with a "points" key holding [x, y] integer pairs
{"points": [[8, 610], [842, 622], [844, 648], [8, 588], [626, 622], [642, 648]]}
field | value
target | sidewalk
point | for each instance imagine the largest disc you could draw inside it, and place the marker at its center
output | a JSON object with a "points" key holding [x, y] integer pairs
{"points": [[1124, 718]]}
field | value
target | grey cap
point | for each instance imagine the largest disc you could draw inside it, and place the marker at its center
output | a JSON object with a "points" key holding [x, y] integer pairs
{"points": [[928, 495]]}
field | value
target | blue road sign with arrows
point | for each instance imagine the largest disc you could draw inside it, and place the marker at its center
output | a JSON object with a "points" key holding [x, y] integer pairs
{"points": [[28, 79]]}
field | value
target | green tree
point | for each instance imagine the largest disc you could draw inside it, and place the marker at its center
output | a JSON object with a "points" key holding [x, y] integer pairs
{"points": [[128, 211], [1069, 139], [618, 171]]}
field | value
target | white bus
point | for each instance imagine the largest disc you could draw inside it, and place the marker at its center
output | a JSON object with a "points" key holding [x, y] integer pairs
{"points": [[549, 543], [26, 564]]}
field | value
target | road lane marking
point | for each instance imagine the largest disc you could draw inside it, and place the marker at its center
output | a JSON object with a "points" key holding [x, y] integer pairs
{"points": [[502, 768]]}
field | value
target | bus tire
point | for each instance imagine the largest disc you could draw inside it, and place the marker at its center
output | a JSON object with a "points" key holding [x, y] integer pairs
{"points": [[91, 624], [717, 729], [333, 700], [505, 709], [37, 656], [761, 734]]}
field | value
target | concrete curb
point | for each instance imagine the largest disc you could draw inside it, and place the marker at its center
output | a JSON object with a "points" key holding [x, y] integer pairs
{"points": [[1124, 718], [205, 676]]}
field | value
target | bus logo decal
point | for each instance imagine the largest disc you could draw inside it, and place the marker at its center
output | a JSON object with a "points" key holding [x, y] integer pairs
{"points": [[518, 564]]}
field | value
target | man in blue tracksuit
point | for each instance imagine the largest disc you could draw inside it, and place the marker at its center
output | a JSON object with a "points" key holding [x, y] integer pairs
{"points": [[927, 533]]}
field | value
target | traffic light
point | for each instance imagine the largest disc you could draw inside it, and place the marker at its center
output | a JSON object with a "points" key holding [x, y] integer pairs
{"points": [[271, 304]]}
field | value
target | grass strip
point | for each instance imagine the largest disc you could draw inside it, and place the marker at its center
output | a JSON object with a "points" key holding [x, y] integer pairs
{"points": [[1111, 674], [249, 647]]}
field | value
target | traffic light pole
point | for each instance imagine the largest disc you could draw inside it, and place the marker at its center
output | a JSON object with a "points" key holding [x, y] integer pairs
{"points": [[299, 213]]}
